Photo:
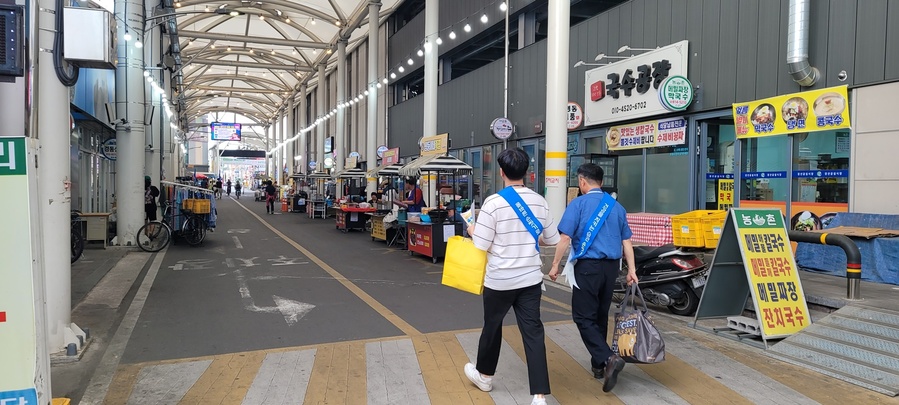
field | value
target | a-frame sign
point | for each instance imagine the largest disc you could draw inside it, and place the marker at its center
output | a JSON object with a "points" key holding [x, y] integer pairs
{"points": [[754, 258]]}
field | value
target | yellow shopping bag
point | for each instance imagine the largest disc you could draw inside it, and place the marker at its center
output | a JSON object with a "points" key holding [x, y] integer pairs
{"points": [[465, 265]]}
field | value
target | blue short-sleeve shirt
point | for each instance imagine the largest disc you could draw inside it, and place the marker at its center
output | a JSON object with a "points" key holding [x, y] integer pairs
{"points": [[607, 244]]}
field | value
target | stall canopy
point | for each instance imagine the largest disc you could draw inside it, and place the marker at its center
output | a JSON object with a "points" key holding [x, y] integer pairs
{"points": [[319, 175], [349, 173], [385, 170], [435, 163]]}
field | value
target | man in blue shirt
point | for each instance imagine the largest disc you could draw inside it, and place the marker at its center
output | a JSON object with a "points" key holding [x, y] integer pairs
{"points": [[596, 269]]}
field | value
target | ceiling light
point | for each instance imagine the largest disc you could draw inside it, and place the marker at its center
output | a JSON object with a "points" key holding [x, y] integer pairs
{"points": [[503, 7], [439, 41], [261, 17], [366, 92], [401, 69], [315, 51], [287, 20], [212, 46], [467, 27], [428, 47], [234, 14], [410, 62], [484, 18], [191, 42], [139, 44], [251, 51], [452, 35], [312, 21], [379, 85], [178, 4], [385, 80], [392, 75], [146, 73], [150, 79], [337, 23], [328, 51], [229, 49], [420, 53], [294, 52], [127, 36], [273, 51], [206, 9]]}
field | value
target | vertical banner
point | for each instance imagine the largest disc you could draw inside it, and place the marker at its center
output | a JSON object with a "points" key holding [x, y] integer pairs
{"points": [[725, 194], [17, 319]]}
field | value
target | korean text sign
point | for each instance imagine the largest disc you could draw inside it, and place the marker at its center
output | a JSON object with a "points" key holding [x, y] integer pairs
{"points": [[434, 145], [391, 156], [648, 134], [809, 111], [771, 271]]}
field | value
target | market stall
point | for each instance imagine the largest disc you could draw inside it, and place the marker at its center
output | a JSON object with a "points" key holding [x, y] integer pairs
{"points": [[379, 229], [429, 238], [316, 204], [351, 217]]}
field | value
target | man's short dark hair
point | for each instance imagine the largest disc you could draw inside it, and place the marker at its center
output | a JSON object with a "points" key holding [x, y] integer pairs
{"points": [[410, 181], [591, 172], [514, 162]]}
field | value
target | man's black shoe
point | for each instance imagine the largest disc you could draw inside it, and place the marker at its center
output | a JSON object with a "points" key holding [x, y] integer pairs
{"points": [[613, 366], [598, 373]]}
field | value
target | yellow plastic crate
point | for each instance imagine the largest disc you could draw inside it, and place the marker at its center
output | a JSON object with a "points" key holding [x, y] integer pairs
{"points": [[686, 229], [712, 226], [197, 205]]}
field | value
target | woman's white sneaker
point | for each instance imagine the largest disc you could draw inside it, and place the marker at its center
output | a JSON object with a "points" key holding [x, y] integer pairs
{"points": [[483, 383]]}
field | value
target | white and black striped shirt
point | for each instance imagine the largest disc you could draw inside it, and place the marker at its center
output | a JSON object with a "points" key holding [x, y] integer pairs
{"points": [[512, 258]]}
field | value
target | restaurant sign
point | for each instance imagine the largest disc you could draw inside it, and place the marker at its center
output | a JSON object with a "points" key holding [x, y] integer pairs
{"points": [[434, 145], [649, 134], [391, 156], [809, 111], [631, 88]]}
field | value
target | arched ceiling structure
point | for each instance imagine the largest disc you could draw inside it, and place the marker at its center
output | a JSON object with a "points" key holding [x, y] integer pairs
{"points": [[250, 57]]}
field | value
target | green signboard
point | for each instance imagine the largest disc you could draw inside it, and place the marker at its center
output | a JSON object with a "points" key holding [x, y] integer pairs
{"points": [[12, 156]]}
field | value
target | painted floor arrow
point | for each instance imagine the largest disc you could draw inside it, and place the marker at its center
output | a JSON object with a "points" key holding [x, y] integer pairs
{"points": [[291, 310]]}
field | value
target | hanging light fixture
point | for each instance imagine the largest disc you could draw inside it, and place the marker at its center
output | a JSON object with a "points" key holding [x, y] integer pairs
{"points": [[385, 80], [127, 36], [484, 18], [439, 41], [138, 44], [467, 27], [503, 7], [420, 53], [312, 21], [410, 62], [392, 75], [452, 34]]}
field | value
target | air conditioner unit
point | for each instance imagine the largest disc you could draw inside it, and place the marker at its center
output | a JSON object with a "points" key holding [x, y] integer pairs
{"points": [[12, 40], [90, 37]]}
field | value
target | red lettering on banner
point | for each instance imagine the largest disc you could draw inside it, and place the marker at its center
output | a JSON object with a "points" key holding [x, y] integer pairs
{"points": [[3, 316]]}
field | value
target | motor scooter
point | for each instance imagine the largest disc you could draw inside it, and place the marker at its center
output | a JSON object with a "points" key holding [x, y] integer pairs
{"points": [[668, 277]]}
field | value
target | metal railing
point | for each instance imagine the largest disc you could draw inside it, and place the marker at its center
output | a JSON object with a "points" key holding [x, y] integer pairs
{"points": [[853, 257]]}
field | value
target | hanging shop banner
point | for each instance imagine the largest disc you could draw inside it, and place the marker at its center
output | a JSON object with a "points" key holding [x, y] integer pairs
{"points": [[771, 271], [725, 194], [17, 319], [434, 145], [630, 88], [649, 134], [809, 111], [391, 156]]}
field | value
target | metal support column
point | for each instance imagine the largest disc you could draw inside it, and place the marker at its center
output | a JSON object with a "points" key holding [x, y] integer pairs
{"points": [[130, 129], [340, 138], [304, 136], [556, 103], [292, 132], [371, 140], [321, 93]]}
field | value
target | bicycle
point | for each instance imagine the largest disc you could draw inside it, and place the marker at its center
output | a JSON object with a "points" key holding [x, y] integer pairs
{"points": [[193, 230], [155, 235], [77, 238]]}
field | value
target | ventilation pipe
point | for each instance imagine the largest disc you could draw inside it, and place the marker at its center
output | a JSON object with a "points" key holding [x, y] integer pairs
{"points": [[797, 44]]}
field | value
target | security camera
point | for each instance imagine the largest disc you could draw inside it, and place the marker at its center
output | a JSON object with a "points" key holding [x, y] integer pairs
{"points": [[842, 76]]}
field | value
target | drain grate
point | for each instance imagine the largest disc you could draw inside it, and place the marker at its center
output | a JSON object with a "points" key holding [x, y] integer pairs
{"points": [[855, 344]]}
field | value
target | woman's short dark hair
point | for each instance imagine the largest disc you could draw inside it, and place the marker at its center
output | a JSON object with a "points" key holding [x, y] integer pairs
{"points": [[514, 162], [410, 181], [592, 172]]}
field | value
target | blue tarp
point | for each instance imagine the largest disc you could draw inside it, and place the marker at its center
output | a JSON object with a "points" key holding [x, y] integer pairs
{"points": [[880, 256]]}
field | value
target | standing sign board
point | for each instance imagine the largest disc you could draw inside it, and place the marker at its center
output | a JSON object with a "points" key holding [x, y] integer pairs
{"points": [[434, 145], [17, 318], [754, 259]]}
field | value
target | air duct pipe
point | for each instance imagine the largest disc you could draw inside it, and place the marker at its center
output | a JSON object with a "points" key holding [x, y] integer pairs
{"points": [[797, 44]]}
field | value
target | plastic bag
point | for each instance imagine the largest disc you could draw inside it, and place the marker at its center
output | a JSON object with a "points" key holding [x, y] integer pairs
{"points": [[464, 266], [636, 338]]}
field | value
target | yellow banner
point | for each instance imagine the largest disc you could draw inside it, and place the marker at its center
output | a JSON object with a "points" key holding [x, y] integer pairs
{"points": [[809, 111], [725, 194], [772, 272], [434, 145]]}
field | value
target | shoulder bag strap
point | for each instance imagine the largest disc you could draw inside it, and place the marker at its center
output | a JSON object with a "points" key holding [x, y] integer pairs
{"points": [[599, 218], [524, 213]]}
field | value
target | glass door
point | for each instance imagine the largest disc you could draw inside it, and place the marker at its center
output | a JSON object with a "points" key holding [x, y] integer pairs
{"points": [[765, 163], [718, 151], [535, 152], [474, 156]]}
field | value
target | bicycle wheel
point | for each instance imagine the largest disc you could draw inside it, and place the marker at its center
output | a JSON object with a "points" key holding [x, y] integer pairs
{"points": [[77, 244], [153, 236], [194, 230]]}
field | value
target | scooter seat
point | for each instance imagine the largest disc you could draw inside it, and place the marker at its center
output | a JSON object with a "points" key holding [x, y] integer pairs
{"points": [[644, 253]]}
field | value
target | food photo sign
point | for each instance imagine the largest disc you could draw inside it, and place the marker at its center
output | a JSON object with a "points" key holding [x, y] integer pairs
{"points": [[810, 111]]}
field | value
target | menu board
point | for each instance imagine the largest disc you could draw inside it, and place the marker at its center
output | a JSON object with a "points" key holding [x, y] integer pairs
{"points": [[810, 111]]}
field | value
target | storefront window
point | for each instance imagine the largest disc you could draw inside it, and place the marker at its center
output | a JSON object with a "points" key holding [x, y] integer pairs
{"points": [[668, 180], [764, 172], [630, 179], [820, 178], [719, 161], [487, 181]]}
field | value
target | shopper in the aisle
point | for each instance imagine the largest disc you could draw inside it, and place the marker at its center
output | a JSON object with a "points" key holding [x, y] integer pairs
{"points": [[514, 278], [598, 225], [271, 193]]}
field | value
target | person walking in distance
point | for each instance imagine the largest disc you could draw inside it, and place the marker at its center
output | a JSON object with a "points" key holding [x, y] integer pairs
{"points": [[237, 187], [228, 187], [598, 226], [270, 193], [511, 237], [151, 193]]}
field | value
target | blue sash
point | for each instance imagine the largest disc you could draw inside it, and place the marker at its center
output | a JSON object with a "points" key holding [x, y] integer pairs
{"points": [[599, 218], [524, 213]]}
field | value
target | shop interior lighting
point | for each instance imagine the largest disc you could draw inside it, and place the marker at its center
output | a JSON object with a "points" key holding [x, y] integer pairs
{"points": [[626, 48], [604, 56]]}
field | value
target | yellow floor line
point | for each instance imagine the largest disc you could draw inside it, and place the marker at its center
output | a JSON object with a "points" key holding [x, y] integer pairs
{"points": [[227, 378], [393, 318], [690, 383], [122, 384], [441, 359]]}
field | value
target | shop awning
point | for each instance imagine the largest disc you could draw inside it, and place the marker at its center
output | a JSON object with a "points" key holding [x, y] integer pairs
{"points": [[385, 170], [435, 163], [319, 175], [353, 173]]}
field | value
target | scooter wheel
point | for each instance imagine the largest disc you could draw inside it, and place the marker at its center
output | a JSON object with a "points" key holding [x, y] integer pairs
{"points": [[686, 305]]}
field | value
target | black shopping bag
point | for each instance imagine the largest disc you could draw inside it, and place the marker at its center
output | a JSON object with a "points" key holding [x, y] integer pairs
{"points": [[636, 338]]}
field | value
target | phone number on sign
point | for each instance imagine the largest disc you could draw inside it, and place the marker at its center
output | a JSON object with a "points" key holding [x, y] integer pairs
{"points": [[629, 107]]}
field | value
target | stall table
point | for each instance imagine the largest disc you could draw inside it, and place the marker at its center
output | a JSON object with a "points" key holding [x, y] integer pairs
{"points": [[429, 239], [351, 218], [316, 208]]}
